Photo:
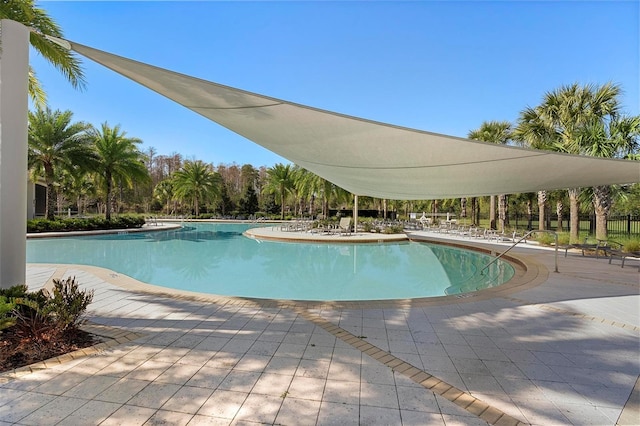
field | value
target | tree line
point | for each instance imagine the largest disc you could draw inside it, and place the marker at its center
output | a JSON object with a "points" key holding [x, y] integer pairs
{"points": [[103, 167]]}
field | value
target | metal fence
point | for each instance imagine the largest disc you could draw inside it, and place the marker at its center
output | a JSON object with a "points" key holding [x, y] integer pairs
{"points": [[621, 225]]}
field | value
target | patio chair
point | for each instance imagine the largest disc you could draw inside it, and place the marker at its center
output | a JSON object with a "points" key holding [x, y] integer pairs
{"points": [[583, 247], [613, 249], [344, 228]]}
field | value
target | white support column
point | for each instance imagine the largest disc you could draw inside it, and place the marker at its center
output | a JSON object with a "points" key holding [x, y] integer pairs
{"points": [[355, 214], [14, 81]]}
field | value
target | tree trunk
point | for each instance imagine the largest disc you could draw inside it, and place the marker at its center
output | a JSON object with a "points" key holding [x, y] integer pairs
{"points": [[542, 204], [502, 211], [506, 211], [107, 214], [282, 202], [51, 193], [574, 215], [51, 202], [529, 214], [559, 213], [463, 207], [384, 209], [601, 205], [492, 212], [474, 202]]}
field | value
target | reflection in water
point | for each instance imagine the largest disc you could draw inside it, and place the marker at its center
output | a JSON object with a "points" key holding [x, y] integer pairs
{"points": [[217, 259]]}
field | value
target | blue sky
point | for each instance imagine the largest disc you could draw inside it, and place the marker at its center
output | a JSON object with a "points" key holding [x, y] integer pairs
{"points": [[439, 66]]}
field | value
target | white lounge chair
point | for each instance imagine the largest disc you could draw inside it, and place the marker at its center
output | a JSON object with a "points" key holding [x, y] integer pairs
{"points": [[344, 228]]}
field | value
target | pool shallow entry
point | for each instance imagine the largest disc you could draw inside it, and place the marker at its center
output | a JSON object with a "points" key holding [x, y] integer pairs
{"points": [[218, 259]]}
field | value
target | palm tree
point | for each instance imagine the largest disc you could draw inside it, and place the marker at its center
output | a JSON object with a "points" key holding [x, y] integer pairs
{"points": [[533, 132], [56, 143], [495, 132], [280, 181], [197, 183], [118, 159], [617, 137], [559, 121], [163, 192], [78, 185], [26, 13]]}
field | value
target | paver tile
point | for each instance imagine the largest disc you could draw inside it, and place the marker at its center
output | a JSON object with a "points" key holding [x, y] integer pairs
{"points": [[162, 417], [54, 411], [307, 388], [223, 404], [259, 408], [129, 415], [154, 395], [272, 384], [122, 390], [295, 411], [91, 413], [338, 414], [188, 399]]}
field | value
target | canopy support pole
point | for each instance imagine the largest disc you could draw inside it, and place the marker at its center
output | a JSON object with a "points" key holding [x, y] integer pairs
{"points": [[355, 213], [14, 88]]}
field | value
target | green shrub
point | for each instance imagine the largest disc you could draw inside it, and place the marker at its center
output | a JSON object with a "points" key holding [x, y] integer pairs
{"points": [[69, 303], [8, 298], [544, 238], [631, 246], [563, 238], [42, 316], [393, 229], [84, 224], [6, 308]]}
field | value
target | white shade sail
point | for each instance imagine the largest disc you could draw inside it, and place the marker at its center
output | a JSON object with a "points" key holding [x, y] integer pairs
{"points": [[371, 158]]}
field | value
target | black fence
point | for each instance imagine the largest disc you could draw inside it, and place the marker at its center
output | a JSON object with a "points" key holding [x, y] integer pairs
{"points": [[622, 225]]}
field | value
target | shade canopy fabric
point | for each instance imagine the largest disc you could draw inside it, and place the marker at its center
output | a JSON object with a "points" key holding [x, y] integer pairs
{"points": [[372, 158]]}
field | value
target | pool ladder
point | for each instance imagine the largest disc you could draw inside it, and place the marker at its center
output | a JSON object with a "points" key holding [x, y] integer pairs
{"points": [[524, 237]]}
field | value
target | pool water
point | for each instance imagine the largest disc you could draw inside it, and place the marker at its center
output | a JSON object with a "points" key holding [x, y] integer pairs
{"points": [[217, 259]]}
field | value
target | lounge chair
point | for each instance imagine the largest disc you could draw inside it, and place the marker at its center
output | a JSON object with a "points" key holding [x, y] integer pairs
{"points": [[613, 249], [584, 247], [344, 228]]}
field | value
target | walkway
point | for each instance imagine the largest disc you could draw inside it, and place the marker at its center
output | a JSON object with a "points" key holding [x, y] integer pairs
{"points": [[561, 350]]}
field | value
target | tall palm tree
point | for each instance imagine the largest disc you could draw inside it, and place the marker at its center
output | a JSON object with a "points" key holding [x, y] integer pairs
{"points": [[118, 160], [559, 124], [532, 131], [163, 192], [496, 132], [280, 181], [307, 187], [55, 142], [27, 13], [78, 185], [616, 138], [196, 182]]}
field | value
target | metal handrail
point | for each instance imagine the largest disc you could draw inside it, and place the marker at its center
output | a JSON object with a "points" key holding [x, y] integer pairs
{"points": [[555, 236]]}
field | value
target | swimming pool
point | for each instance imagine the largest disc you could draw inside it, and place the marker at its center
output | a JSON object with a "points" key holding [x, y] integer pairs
{"points": [[217, 259]]}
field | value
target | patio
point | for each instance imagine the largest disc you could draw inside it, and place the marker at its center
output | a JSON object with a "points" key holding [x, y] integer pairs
{"points": [[562, 349]]}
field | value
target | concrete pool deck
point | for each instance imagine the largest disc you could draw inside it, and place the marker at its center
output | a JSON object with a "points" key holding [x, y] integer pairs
{"points": [[561, 349]]}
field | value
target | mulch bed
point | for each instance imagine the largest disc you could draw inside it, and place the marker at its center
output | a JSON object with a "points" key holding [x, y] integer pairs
{"points": [[16, 351]]}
